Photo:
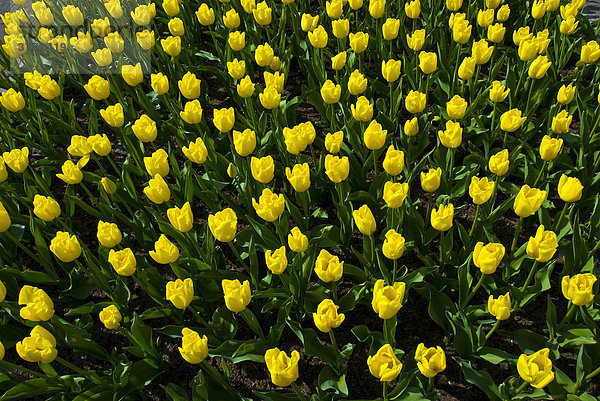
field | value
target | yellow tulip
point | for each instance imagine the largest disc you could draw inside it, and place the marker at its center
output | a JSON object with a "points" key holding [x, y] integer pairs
{"points": [[384, 365]]}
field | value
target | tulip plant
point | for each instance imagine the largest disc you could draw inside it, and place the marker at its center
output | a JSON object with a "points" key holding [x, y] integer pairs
{"points": [[341, 199]]}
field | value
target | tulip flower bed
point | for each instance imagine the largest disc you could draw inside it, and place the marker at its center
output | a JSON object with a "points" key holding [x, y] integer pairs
{"points": [[298, 200]]}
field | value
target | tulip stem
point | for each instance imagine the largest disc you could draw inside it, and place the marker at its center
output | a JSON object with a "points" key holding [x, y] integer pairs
{"points": [[521, 387], [530, 276], [489, 334], [593, 374], [429, 199], [562, 214], [441, 247], [333, 340], [90, 375], [298, 392], [10, 365], [472, 294], [474, 221], [374, 166], [238, 256], [567, 317], [515, 239], [430, 385], [385, 394], [394, 272], [540, 174], [24, 248]]}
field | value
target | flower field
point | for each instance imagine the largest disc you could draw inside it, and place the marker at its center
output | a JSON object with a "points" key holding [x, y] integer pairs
{"points": [[299, 200]]}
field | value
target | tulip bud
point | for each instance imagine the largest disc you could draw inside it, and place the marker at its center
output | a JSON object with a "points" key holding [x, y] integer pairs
{"points": [[297, 241], [237, 40], [561, 122], [223, 225], [122, 261], [499, 92], [393, 245], [543, 246], [336, 168], [362, 110], [110, 317], [237, 294], [427, 61], [442, 218], [511, 120], [430, 181], [411, 127], [331, 92], [387, 300], [194, 349], [550, 147], [566, 94], [416, 40], [276, 260], [528, 201], [412, 9], [182, 218], [165, 251], [157, 163], [333, 142], [299, 177], [394, 194], [224, 119], [157, 190], [45, 208], [357, 83], [569, 188], [359, 42], [451, 137], [364, 220], [338, 61], [113, 115], [579, 288], [391, 70], [500, 307], [196, 151], [390, 28], [108, 234], [108, 185], [415, 102], [481, 190], [189, 86], [328, 267], [65, 247], [192, 112], [488, 257], [341, 28], [467, 68], [180, 292], [499, 163]]}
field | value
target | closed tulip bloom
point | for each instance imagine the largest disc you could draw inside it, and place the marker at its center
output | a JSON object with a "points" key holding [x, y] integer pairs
{"points": [[180, 292], [528, 49], [374, 136], [113, 115], [536, 369], [224, 119], [498, 92], [66, 247], [245, 88], [40, 346], [236, 68], [427, 61], [194, 349], [393, 163], [393, 245], [189, 86], [331, 92], [2, 297], [387, 300], [275, 80], [390, 28], [355, 4], [48, 88], [359, 42], [108, 185], [122, 261], [511, 120], [492, 3], [538, 9], [237, 294], [528, 201], [102, 57], [394, 194], [165, 251], [269, 206], [488, 257], [108, 234], [590, 52], [299, 177], [244, 142], [337, 168], [79, 146], [263, 169], [456, 107], [231, 19], [114, 42], [485, 18], [82, 42], [15, 45], [132, 74], [561, 122], [294, 140], [364, 220], [110, 317], [328, 267], [141, 15], [42, 13], [430, 181], [276, 261], [482, 51], [566, 93], [237, 40], [318, 37], [384, 365], [196, 151], [223, 225], [416, 40], [327, 317], [171, 45], [496, 33], [451, 137], [454, 5], [499, 163], [157, 163], [467, 68], [297, 241], [248, 5], [308, 23], [338, 61], [38, 305], [334, 8], [205, 15], [45, 208], [481, 190], [192, 112], [550, 147], [362, 110], [262, 13], [270, 98], [568, 25], [415, 102], [72, 15], [5, 221], [283, 369], [539, 67], [182, 218], [157, 190], [431, 361], [12, 100], [71, 174], [391, 69], [334, 141], [376, 8], [3, 170], [569, 188], [568, 10], [521, 34], [579, 288], [500, 307], [503, 13], [412, 9], [442, 218], [144, 129], [543, 246], [307, 131], [100, 144], [357, 83], [340, 27], [145, 39], [176, 27]]}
